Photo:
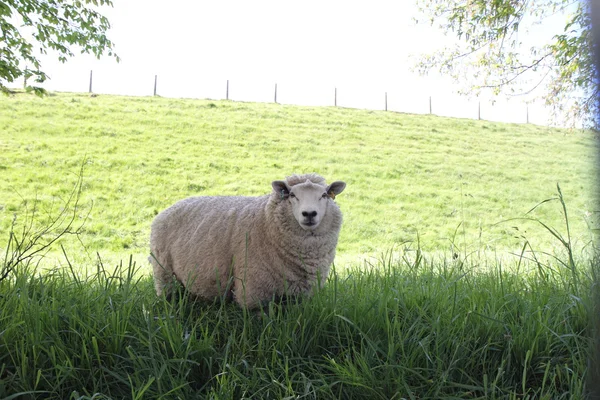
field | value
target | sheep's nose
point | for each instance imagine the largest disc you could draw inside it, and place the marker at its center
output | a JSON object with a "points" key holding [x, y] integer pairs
{"points": [[309, 215]]}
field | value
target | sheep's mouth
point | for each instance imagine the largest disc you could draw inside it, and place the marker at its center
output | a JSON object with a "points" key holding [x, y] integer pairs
{"points": [[308, 224]]}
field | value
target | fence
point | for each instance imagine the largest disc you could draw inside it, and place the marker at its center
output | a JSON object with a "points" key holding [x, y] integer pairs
{"points": [[434, 105]]}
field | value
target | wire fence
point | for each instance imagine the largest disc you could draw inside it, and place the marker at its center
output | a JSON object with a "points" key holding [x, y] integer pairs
{"points": [[447, 105]]}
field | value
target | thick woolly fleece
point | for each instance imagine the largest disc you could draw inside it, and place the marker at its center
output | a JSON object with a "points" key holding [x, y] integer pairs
{"points": [[251, 249]]}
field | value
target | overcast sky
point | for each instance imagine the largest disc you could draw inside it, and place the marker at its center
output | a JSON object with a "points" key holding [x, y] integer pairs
{"points": [[308, 48]]}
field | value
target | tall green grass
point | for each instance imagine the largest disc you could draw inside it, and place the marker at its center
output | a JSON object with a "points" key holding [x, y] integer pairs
{"points": [[406, 325], [412, 328]]}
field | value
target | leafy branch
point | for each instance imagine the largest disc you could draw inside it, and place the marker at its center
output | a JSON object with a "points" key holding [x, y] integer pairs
{"points": [[490, 55], [31, 27]]}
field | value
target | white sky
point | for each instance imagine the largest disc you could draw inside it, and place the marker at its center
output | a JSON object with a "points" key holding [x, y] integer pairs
{"points": [[363, 48]]}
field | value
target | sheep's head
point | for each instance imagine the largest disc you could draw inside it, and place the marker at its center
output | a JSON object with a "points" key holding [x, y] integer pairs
{"points": [[308, 200]]}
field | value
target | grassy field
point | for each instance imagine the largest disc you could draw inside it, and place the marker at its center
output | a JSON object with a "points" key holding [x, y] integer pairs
{"points": [[446, 182], [426, 300], [399, 330]]}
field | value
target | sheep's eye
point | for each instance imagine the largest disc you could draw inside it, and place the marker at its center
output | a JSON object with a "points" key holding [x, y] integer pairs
{"points": [[324, 196], [292, 195]]}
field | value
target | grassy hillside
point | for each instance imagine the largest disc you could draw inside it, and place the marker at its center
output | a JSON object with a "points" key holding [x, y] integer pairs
{"points": [[444, 181], [403, 326]]}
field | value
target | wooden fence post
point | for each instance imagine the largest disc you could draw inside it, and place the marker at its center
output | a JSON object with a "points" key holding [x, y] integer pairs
{"points": [[385, 101], [227, 91], [527, 112], [479, 110], [275, 93], [25, 77], [155, 80], [430, 110], [335, 97], [91, 81]]}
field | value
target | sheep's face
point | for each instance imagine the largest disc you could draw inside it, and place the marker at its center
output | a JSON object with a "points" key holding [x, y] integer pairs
{"points": [[308, 200]]}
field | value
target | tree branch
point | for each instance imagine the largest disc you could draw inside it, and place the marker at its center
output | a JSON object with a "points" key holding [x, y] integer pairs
{"points": [[31, 242]]}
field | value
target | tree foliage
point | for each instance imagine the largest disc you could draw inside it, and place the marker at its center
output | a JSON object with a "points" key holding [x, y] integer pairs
{"points": [[29, 28], [495, 51]]}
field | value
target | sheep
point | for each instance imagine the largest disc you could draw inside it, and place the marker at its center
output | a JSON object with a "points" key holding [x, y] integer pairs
{"points": [[249, 249]]}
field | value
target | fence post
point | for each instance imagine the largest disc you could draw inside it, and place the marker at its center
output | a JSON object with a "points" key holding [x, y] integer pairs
{"points": [[91, 81], [155, 80], [275, 93], [479, 110], [25, 77], [430, 110], [385, 101], [227, 91], [335, 97], [527, 112]]}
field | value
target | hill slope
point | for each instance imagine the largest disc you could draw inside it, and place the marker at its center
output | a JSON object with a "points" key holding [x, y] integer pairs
{"points": [[446, 181]]}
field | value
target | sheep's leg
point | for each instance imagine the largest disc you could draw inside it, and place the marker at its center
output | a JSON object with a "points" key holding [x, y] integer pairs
{"points": [[244, 294], [162, 276]]}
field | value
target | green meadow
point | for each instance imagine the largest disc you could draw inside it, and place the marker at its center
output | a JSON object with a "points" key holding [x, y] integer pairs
{"points": [[465, 264], [444, 182]]}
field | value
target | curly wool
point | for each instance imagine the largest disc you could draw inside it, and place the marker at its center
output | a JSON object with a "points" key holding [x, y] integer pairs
{"points": [[250, 249]]}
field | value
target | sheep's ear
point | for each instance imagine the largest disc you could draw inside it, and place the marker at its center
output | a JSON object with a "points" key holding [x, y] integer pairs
{"points": [[281, 188], [335, 188]]}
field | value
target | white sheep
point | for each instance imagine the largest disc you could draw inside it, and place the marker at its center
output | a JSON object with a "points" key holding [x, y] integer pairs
{"points": [[251, 249]]}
